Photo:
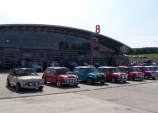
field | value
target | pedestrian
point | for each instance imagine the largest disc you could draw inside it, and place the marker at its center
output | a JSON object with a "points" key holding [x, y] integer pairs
{"points": [[61, 63], [52, 64]]}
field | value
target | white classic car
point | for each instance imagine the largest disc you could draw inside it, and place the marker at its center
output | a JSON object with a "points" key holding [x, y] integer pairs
{"points": [[24, 78]]}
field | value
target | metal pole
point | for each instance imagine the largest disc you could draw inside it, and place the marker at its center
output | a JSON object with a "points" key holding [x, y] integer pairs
{"points": [[92, 49]]}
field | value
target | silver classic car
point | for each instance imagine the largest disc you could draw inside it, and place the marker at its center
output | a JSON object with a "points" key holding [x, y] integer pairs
{"points": [[24, 78]]}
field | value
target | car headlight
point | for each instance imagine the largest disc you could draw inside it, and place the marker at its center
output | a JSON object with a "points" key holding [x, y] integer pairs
{"points": [[119, 75], [36, 83], [65, 78]]}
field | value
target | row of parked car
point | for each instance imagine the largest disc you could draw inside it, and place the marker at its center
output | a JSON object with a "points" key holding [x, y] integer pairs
{"points": [[27, 77]]}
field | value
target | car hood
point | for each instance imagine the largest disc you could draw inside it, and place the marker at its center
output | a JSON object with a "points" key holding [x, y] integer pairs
{"points": [[150, 71], [30, 78], [95, 74], [119, 73], [68, 75], [136, 72]]}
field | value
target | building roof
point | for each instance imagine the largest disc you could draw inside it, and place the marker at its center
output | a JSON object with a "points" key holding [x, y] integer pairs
{"points": [[104, 40]]}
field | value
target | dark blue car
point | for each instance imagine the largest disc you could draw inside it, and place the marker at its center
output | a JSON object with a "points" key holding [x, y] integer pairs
{"points": [[89, 74]]}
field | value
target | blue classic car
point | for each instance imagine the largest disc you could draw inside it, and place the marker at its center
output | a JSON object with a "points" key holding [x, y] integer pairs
{"points": [[89, 74]]}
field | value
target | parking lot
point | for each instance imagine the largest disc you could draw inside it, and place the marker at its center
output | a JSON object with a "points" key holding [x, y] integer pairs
{"points": [[130, 97]]}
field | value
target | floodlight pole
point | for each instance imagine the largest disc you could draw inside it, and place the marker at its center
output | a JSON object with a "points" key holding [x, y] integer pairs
{"points": [[92, 49]]}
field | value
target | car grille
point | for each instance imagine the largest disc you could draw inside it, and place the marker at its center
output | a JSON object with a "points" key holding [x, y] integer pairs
{"points": [[33, 84], [71, 80]]}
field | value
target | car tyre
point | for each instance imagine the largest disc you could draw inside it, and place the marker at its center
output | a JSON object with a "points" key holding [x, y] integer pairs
{"points": [[58, 84], [102, 82], [8, 83], [76, 84], [18, 86], [89, 81], [40, 88], [113, 80], [146, 77], [44, 80], [131, 78]]}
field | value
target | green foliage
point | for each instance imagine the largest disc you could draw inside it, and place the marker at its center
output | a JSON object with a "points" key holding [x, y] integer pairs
{"points": [[149, 52], [146, 50]]}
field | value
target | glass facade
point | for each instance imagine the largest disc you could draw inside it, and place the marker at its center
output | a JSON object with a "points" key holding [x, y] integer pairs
{"points": [[12, 38], [46, 46]]}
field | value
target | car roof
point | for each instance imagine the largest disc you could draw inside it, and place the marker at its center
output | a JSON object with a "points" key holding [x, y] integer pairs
{"points": [[107, 67], [89, 66], [57, 67], [22, 68], [123, 66]]}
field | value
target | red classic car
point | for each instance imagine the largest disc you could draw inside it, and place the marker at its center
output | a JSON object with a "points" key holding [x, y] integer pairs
{"points": [[60, 76], [113, 74], [133, 74], [148, 73]]}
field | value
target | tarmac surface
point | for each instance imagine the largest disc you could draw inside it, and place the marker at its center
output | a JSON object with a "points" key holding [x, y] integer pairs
{"points": [[130, 97]]}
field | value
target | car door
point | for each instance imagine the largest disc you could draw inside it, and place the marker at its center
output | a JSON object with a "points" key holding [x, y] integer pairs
{"points": [[82, 74], [53, 76], [48, 74], [108, 74]]}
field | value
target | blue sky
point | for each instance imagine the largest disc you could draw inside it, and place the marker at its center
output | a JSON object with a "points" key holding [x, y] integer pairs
{"points": [[132, 22]]}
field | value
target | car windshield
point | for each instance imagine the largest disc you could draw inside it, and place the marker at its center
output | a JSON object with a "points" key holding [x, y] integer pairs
{"points": [[132, 69], [25, 72], [91, 70], [155, 68], [113, 70], [123, 69], [62, 71], [146, 68], [139, 69]]}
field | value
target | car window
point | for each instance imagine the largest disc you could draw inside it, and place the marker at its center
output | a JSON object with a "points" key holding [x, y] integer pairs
{"points": [[62, 71], [53, 71], [76, 69], [146, 69], [139, 69], [82, 70], [47, 71], [113, 70], [25, 72]]}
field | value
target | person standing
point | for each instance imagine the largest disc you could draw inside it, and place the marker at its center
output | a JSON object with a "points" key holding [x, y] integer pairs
{"points": [[61, 63]]}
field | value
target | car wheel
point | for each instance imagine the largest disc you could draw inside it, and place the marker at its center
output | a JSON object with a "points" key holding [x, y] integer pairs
{"points": [[44, 80], [76, 84], [40, 88], [89, 81], [58, 84], [8, 83], [131, 78], [146, 77], [113, 80], [102, 82], [18, 88]]}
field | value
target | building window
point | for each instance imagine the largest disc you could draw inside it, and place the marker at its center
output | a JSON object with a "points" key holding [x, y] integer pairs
{"points": [[28, 38], [42, 39], [1, 34], [58, 41], [12, 38]]}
